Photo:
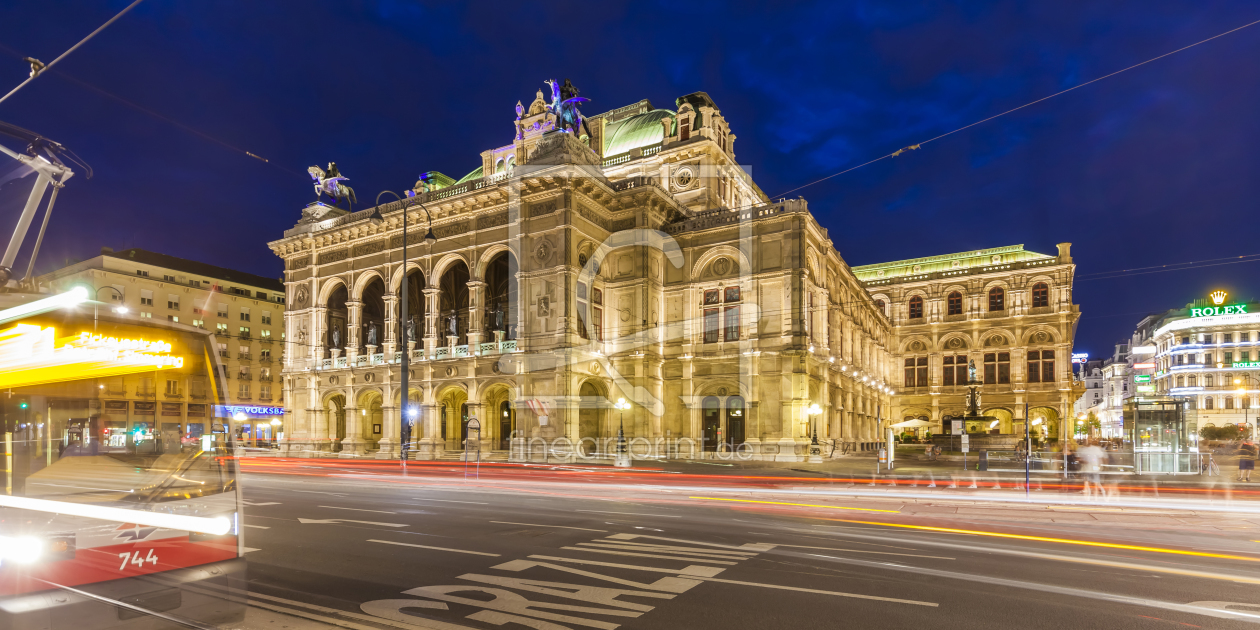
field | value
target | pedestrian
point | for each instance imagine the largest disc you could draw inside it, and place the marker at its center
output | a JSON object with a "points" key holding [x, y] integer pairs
{"points": [[1246, 460], [1091, 458]]}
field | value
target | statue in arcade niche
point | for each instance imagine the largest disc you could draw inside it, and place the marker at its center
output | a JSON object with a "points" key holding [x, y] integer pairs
{"points": [[336, 338], [971, 371], [371, 339], [564, 104], [411, 329]]}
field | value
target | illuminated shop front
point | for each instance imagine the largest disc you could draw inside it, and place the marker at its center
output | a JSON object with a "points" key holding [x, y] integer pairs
{"points": [[252, 425]]}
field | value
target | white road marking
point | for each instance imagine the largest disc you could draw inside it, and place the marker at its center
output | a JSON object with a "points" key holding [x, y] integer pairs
{"points": [[336, 494], [811, 590], [257, 504], [334, 521], [249, 549], [646, 555], [450, 501], [627, 513], [256, 526], [403, 544], [333, 507], [559, 526], [695, 569], [882, 553]]}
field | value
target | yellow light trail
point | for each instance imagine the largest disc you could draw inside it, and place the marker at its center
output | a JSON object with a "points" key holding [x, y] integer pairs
{"points": [[1065, 541], [829, 507]]}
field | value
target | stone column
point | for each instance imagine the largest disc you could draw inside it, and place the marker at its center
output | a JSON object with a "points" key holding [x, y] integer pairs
{"points": [[431, 298], [477, 410], [318, 340], [476, 310], [389, 341], [354, 314], [431, 444], [390, 434], [353, 444], [318, 430]]}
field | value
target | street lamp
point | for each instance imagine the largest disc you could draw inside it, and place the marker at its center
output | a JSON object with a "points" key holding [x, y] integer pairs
{"points": [[404, 431], [1242, 391], [622, 459], [815, 453], [117, 309]]}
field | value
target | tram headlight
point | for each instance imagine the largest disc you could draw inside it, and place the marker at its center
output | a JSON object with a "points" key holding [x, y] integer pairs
{"points": [[20, 549]]}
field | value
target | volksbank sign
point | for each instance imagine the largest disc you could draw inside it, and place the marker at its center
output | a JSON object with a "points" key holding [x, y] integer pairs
{"points": [[1229, 309]]}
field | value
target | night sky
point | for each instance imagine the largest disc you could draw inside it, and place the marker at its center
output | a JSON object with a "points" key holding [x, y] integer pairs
{"points": [[1158, 165]]}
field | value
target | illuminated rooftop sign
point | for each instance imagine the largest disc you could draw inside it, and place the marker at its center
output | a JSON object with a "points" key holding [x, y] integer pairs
{"points": [[31, 355], [1247, 364], [1228, 309]]}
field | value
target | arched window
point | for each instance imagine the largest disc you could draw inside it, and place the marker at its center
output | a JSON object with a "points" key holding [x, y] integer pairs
{"points": [[997, 299], [734, 421], [879, 304], [1040, 295], [1229, 402], [955, 303], [711, 423], [1207, 402], [916, 307]]}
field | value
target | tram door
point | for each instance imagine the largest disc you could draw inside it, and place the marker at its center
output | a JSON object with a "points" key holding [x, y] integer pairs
{"points": [[505, 425], [734, 422]]}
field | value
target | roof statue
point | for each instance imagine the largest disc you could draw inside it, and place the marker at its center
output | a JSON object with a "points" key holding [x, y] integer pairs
{"points": [[564, 104], [329, 183]]}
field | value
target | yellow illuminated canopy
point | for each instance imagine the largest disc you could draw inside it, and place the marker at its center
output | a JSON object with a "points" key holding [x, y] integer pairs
{"points": [[31, 355]]}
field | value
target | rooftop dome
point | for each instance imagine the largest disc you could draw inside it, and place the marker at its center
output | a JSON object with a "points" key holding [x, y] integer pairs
{"points": [[636, 131]]}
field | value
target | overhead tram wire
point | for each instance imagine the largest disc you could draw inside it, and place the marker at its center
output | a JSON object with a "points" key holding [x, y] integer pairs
{"points": [[919, 145], [38, 68], [88, 86]]}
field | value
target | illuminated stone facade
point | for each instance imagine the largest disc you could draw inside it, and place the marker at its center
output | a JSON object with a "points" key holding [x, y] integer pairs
{"points": [[641, 262], [1007, 309]]}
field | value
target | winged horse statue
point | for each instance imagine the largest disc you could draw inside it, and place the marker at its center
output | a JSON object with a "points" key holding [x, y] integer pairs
{"points": [[564, 104], [329, 183]]}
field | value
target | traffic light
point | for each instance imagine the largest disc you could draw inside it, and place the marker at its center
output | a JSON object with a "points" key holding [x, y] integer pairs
{"points": [[23, 405]]}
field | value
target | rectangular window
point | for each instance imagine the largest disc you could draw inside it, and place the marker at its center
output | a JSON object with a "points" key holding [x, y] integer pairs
{"points": [[712, 297], [1191, 381], [243, 352], [243, 390], [732, 294], [1244, 337], [266, 318], [598, 322], [1229, 357], [244, 332], [221, 328], [732, 323], [264, 374], [172, 318], [1207, 380], [146, 315], [244, 314], [597, 296], [264, 392], [711, 325], [1181, 381], [1047, 366], [921, 379], [223, 310], [1227, 338], [172, 301], [809, 318], [244, 372], [266, 334], [997, 368], [1034, 366], [684, 130], [1207, 358], [908, 378], [146, 297], [172, 387], [142, 273], [264, 354], [947, 370], [581, 319]]}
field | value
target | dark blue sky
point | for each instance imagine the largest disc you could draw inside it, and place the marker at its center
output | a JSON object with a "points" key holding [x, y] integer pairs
{"points": [[1155, 166]]}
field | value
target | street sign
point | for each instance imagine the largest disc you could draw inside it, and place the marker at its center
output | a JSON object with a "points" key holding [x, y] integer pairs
{"points": [[956, 428], [966, 441], [474, 424]]}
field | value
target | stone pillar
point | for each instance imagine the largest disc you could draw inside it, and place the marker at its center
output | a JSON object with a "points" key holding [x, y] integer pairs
{"points": [[476, 314], [431, 444], [318, 429], [431, 298], [390, 434], [477, 410], [390, 339], [353, 444], [318, 340], [354, 317]]}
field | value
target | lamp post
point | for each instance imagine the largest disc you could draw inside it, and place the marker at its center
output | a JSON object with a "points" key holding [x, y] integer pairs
{"points": [[1242, 391], [815, 453], [117, 309], [622, 458], [404, 430]]}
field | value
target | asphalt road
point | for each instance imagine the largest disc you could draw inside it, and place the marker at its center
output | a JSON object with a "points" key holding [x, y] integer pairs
{"points": [[371, 548]]}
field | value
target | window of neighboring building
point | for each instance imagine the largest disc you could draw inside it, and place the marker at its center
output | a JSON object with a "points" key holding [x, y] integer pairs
{"points": [[997, 368], [1207, 402], [1244, 402], [244, 371], [146, 297], [266, 318], [223, 310], [172, 387], [684, 129], [1229, 357], [244, 314], [244, 332], [172, 302], [264, 392], [1227, 338], [243, 390], [1207, 381], [954, 369], [954, 302], [1229, 402], [266, 334], [264, 374], [1040, 295], [916, 372], [172, 318], [1181, 381], [997, 299], [243, 352], [146, 315], [264, 354], [1207, 358], [916, 307], [1041, 366], [142, 273]]}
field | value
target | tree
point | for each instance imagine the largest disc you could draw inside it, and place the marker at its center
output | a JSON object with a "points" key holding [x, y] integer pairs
{"points": [[1092, 424]]}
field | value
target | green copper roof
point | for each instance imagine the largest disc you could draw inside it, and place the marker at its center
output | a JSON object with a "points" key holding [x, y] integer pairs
{"points": [[477, 174], [946, 262], [635, 132]]}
